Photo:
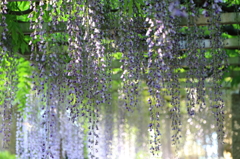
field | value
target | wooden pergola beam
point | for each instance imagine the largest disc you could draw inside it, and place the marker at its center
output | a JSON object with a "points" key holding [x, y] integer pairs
{"points": [[234, 61], [225, 18], [233, 43]]}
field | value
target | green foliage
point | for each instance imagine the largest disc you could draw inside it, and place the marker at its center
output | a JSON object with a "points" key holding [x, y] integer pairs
{"points": [[234, 82], [130, 4], [232, 53], [18, 42], [23, 81], [23, 71], [227, 77], [6, 155], [4, 66], [231, 2]]}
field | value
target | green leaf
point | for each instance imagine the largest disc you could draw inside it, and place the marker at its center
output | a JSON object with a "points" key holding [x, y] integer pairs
{"points": [[138, 4], [24, 47], [130, 7], [125, 5], [117, 55]]}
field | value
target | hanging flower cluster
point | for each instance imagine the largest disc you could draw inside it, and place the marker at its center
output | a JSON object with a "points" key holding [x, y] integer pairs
{"points": [[162, 79]]}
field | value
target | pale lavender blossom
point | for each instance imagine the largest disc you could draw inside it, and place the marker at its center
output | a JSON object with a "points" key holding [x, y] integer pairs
{"points": [[176, 10]]}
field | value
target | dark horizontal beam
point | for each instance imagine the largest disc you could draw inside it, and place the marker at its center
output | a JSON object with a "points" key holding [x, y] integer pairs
{"points": [[19, 12]]}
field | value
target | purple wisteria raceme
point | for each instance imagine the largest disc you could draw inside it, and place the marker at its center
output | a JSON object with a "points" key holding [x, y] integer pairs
{"points": [[176, 10]]}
